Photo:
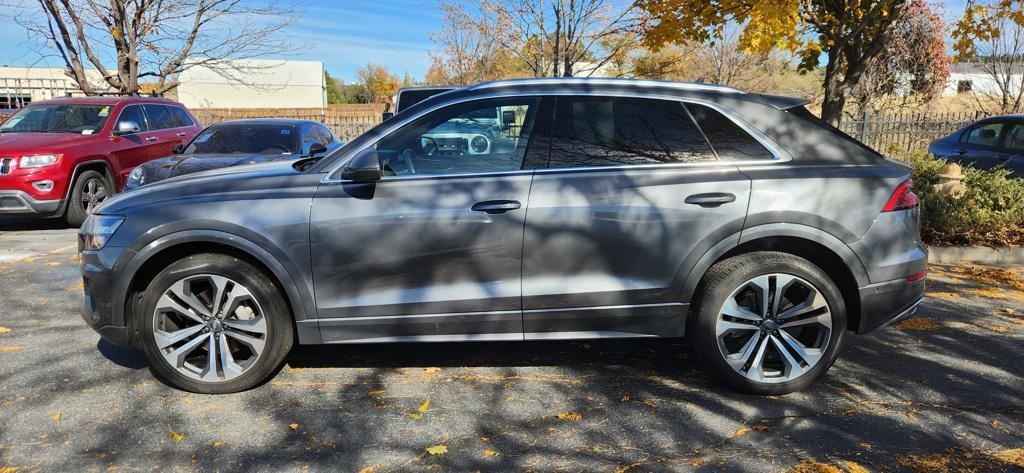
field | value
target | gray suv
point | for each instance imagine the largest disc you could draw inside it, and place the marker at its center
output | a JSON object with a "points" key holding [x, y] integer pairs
{"points": [[613, 209]]}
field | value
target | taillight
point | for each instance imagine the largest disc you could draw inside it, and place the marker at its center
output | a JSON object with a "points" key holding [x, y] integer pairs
{"points": [[903, 198]]}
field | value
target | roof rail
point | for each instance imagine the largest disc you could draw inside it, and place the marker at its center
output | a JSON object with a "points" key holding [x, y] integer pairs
{"points": [[605, 80], [127, 94]]}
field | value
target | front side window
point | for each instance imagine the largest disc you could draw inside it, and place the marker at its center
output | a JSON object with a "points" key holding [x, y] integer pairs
{"points": [[82, 119], [985, 135], [613, 131], [245, 139], [474, 137], [133, 113]]}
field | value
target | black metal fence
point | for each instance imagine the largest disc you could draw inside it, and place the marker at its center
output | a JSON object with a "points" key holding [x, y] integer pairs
{"points": [[905, 132]]}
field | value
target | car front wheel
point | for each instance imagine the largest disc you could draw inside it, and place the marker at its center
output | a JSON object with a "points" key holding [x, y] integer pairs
{"points": [[213, 323], [768, 323]]}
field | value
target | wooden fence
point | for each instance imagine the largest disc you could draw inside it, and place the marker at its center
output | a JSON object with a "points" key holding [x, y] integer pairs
{"points": [[905, 132], [346, 121]]}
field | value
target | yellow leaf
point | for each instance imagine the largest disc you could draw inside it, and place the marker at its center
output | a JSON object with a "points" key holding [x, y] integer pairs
{"points": [[57, 416], [854, 467], [570, 416], [424, 407], [370, 469], [741, 432], [293, 426], [625, 398], [217, 443], [4, 330], [439, 449], [650, 402], [9, 469], [54, 263], [866, 446], [490, 453], [760, 427], [176, 436], [4, 348]]}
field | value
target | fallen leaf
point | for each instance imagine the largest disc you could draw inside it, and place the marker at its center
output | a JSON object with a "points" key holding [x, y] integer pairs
{"points": [[625, 398], [4, 348], [760, 427], [217, 443], [424, 407], [370, 469], [697, 462], [437, 449], [293, 426], [58, 416], [741, 432], [176, 436], [4, 330], [650, 402], [866, 446], [854, 467], [490, 453], [54, 263], [918, 323], [570, 416], [912, 415]]}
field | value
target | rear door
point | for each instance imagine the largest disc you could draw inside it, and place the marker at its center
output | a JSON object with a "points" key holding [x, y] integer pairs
{"points": [[1013, 148], [133, 149], [633, 194], [165, 127], [980, 146]]}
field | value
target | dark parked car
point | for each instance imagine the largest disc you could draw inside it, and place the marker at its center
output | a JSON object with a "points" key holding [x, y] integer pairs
{"points": [[238, 142], [624, 209], [986, 144], [408, 96]]}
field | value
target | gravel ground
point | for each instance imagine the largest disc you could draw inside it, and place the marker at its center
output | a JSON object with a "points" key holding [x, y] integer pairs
{"points": [[939, 392]]}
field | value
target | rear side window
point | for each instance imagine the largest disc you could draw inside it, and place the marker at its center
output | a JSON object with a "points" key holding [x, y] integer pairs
{"points": [[985, 135], [1015, 137], [614, 131], [730, 141], [159, 117], [181, 117], [133, 113]]}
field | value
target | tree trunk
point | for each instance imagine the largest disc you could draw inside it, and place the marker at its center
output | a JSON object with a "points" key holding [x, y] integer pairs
{"points": [[835, 99]]}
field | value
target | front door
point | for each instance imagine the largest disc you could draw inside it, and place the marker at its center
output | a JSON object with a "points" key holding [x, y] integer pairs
{"points": [[633, 195], [432, 251]]}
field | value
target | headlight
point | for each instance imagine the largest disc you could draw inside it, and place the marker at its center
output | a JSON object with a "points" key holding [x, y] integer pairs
{"points": [[136, 178], [38, 160], [97, 230]]}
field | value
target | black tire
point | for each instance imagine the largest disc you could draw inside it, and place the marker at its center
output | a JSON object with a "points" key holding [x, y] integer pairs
{"points": [[278, 338], [77, 209], [732, 274]]}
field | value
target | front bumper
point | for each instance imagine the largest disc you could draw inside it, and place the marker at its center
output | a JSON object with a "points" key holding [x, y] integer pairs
{"points": [[18, 202], [98, 282], [887, 302]]}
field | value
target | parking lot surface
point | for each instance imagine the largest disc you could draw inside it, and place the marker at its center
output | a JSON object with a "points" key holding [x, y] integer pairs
{"points": [[941, 391]]}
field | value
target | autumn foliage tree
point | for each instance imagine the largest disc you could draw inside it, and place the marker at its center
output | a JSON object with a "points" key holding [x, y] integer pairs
{"points": [[992, 36], [848, 33]]}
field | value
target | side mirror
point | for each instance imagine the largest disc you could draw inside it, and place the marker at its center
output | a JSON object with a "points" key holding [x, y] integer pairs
{"points": [[386, 116], [508, 118], [316, 148], [126, 128], [178, 148], [364, 167]]}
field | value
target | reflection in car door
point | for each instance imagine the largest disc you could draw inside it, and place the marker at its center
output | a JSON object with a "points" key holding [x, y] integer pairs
{"points": [[428, 255], [633, 195]]}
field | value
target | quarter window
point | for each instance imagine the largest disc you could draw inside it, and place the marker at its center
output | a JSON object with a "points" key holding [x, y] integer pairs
{"points": [[474, 137], [985, 135], [608, 131], [729, 141]]}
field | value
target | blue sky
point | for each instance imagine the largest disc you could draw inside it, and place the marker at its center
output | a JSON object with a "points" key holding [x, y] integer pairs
{"points": [[345, 34]]}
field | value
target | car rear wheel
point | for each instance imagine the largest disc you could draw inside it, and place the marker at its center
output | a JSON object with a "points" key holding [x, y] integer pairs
{"points": [[768, 323], [213, 323], [90, 190]]}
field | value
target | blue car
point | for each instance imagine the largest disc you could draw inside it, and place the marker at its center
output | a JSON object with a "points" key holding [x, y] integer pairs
{"points": [[986, 144]]}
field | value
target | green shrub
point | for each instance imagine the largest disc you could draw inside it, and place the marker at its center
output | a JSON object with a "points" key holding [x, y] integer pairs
{"points": [[990, 213]]}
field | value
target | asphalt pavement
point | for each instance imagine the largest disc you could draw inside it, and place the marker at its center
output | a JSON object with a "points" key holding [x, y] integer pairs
{"points": [[941, 391]]}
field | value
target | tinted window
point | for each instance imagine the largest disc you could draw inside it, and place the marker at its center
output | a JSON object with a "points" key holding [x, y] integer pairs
{"points": [[1015, 137], [730, 142], [313, 133], [985, 135], [599, 131], [408, 98], [84, 119], [133, 113], [181, 117], [474, 137], [159, 117], [244, 139]]}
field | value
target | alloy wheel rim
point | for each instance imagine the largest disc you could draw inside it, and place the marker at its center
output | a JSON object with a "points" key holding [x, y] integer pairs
{"points": [[774, 328], [93, 194], [209, 328]]}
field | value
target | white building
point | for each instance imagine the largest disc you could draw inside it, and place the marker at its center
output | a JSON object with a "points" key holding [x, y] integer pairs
{"points": [[255, 84], [20, 86], [973, 78]]}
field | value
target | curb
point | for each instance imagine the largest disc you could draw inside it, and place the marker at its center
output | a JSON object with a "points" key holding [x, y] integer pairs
{"points": [[975, 254]]}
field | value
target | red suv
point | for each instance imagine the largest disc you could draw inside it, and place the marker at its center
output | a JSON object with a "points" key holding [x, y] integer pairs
{"points": [[59, 158]]}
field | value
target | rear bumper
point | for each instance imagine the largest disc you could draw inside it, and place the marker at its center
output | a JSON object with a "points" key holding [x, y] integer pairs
{"points": [[18, 202], [887, 302]]}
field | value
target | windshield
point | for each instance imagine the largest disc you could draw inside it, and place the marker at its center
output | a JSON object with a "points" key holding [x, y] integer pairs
{"points": [[245, 139], [83, 119]]}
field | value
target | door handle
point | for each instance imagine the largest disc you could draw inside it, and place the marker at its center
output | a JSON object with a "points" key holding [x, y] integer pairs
{"points": [[961, 151], [151, 138], [711, 199], [181, 133], [496, 206]]}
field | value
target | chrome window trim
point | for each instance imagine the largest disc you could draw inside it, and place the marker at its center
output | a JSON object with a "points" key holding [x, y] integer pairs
{"points": [[779, 155], [604, 81]]}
